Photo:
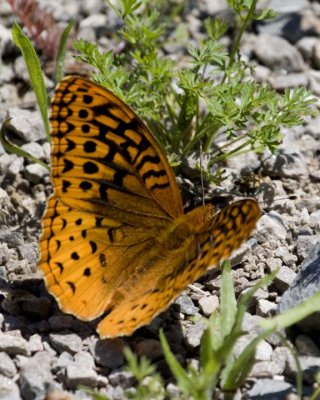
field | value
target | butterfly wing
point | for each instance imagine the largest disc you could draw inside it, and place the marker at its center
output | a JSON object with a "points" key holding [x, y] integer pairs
{"points": [[192, 244], [113, 192]]}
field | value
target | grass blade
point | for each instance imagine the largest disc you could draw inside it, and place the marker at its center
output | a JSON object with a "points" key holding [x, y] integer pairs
{"points": [[35, 73], [59, 72]]}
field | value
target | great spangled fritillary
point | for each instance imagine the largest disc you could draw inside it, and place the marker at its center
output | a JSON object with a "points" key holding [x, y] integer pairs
{"points": [[115, 239]]}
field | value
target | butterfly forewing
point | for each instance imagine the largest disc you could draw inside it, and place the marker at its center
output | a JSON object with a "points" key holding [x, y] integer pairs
{"points": [[115, 239]]}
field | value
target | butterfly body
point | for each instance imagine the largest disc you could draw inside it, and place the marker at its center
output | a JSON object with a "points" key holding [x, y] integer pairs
{"points": [[115, 239]]}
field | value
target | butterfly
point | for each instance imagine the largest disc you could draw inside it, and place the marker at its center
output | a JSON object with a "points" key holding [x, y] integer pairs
{"points": [[116, 242]]}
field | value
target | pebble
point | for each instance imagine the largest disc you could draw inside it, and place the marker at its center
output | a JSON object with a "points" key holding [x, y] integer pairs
{"points": [[35, 172], [278, 54], [208, 304], [271, 389], [9, 390], [305, 245], [306, 346], [194, 334], [35, 376], [265, 308], [28, 125], [121, 378], [70, 342], [185, 305], [270, 225], [306, 283], [150, 348], [7, 366], [81, 371], [108, 352], [284, 278], [263, 351], [13, 344]]}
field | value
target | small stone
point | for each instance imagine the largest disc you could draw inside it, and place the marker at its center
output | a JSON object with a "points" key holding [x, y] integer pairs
{"points": [[28, 125], [12, 344], [9, 390], [284, 278], [270, 225], [35, 172], [81, 371], [285, 81], [34, 148], [108, 352], [270, 389], [265, 308], [278, 54], [70, 342], [61, 323], [194, 334], [150, 348], [185, 305], [208, 304], [59, 365], [124, 379], [7, 366], [35, 343], [305, 244], [263, 351], [310, 366], [306, 346], [35, 376]]}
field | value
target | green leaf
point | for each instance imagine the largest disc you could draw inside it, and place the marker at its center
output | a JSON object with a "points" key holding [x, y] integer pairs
{"points": [[228, 300], [59, 73], [35, 73], [185, 383]]}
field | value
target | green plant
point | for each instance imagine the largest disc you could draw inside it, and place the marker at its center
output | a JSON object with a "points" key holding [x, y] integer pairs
{"points": [[250, 115]]}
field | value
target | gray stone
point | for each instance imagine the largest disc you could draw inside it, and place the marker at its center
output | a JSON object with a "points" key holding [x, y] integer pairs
{"points": [[9, 390], [7, 366], [108, 352], [310, 366], [28, 125], [185, 305], [271, 389], [285, 165], [34, 149], [265, 308], [61, 322], [35, 172], [306, 46], [60, 364], [194, 334], [70, 342], [35, 343], [313, 127], [287, 81], [81, 371], [263, 351], [13, 344], [284, 278], [306, 283], [270, 225], [208, 304], [35, 376], [150, 348], [306, 346], [305, 245], [123, 379], [278, 54]]}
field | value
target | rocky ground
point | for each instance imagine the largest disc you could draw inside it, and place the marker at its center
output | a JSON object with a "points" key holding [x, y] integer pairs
{"points": [[43, 350]]}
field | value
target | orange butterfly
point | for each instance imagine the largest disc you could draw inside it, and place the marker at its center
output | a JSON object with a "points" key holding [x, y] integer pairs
{"points": [[115, 239]]}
